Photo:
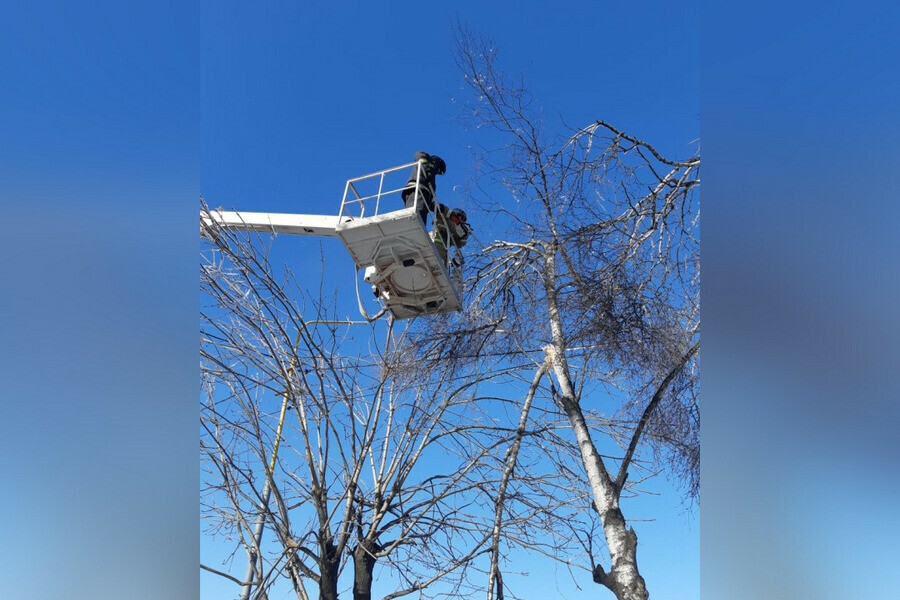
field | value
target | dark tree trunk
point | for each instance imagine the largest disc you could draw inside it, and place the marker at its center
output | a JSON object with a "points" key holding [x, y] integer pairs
{"points": [[363, 564], [329, 562]]}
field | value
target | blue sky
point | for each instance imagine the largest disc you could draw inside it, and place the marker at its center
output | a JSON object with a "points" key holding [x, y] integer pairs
{"points": [[290, 91], [115, 117]]}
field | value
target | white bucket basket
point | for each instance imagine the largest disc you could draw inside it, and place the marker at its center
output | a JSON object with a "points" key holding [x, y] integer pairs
{"points": [[399, 258]]}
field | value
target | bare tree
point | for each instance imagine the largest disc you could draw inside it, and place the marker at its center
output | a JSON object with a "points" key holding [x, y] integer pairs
{"points": [[348, 455], [596, 268]]}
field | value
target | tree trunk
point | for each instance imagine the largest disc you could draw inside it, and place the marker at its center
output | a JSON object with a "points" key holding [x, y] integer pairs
{"points": [[329, 563], [363, 565], [623, 579]]}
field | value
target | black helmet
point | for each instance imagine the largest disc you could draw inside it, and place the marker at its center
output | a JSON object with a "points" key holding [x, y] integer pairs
{"points": [[459, 214], [440, 167]]}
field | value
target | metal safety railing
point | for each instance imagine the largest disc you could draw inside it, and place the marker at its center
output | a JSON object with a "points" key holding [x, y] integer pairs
{"points": [[363, 195], [381, 193]]}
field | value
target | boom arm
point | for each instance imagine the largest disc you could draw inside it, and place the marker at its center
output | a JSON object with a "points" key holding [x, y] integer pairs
{"points": [[320, 225]]}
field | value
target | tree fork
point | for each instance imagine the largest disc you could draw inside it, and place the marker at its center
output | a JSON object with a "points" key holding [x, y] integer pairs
{"points": [[624, 580]]}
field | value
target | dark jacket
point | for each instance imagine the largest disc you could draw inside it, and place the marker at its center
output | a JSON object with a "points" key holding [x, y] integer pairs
{"points": [[434, 165]]}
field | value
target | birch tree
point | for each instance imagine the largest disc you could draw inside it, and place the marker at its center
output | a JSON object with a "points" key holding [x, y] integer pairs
{"points": [[595, 257]]}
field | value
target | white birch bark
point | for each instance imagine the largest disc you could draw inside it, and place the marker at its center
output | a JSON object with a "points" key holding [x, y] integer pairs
{"points": [[623, 578]]}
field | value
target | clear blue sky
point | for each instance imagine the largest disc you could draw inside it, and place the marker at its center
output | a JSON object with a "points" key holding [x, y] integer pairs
{"points": [[297, 99], [114, 117]]}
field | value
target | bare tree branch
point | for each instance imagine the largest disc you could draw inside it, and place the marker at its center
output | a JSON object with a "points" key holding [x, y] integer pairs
{"points": [[654, 401]]}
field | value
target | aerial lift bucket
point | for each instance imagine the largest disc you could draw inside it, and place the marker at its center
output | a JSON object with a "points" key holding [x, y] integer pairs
{"points": [[400, 260]]}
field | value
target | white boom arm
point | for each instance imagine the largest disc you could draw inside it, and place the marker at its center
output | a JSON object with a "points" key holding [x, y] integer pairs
{"points": [[320, 225]]}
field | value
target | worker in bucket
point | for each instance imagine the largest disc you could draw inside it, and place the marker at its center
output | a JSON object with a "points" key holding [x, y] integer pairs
{"points": [[431, 167], [450, 229]]}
